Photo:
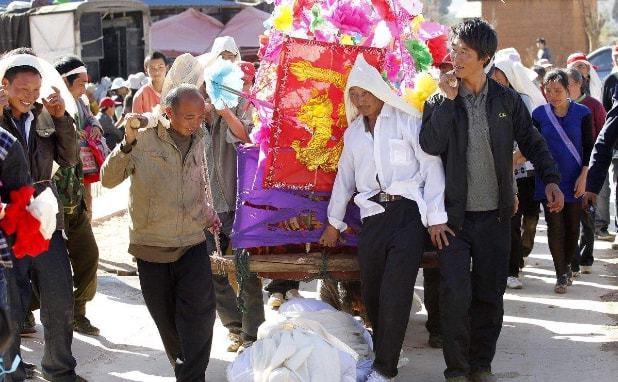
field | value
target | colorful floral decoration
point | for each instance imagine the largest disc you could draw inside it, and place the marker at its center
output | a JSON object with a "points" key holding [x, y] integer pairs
{"points": [[283, 18], [299, 134], [350, 18], [438, 48], [426, 85], [420, 53]]}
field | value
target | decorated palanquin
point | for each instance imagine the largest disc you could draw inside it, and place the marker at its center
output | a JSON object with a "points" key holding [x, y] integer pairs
{"points": [[285, 180]]}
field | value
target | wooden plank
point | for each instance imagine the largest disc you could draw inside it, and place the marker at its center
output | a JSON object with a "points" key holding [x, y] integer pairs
{"points": [[310, 263]]}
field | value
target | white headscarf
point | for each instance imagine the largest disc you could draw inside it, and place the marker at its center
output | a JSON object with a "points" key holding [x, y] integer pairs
{"points": [[220, 45], [520, 78], [367, 77], [49, 74], [596, 86], [186, 69]]}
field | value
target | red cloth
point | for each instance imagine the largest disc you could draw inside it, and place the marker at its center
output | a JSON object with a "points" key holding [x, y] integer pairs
{"points": [[598, 115], [283, 169], [98, 158], [18, 221]]}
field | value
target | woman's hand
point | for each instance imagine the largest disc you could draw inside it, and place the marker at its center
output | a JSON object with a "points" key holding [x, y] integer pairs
{"points": [[580, 184]]}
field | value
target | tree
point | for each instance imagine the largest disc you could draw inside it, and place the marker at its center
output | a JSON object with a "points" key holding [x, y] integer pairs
{"points": [[593, 22]]}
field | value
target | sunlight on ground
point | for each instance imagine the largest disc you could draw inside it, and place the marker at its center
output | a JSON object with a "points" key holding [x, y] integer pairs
{"points": [[571, 331], [138, 376], [587, 305]]}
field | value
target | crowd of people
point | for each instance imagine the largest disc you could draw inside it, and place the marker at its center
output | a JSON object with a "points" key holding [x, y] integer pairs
{"points": [[493, 145]]}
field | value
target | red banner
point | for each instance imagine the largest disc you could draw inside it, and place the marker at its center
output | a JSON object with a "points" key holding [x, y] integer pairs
{"points": [[306, 135]]}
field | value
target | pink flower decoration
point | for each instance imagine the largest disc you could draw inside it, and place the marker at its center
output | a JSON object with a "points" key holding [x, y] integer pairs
{"points": [[392, 65], [431, 30], [351, 18]]}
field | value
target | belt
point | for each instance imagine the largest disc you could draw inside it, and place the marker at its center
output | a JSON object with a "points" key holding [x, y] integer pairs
{"points": [[383, 197]]}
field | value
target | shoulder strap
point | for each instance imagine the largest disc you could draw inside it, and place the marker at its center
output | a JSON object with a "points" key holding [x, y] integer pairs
{"points": [[563, 135]]}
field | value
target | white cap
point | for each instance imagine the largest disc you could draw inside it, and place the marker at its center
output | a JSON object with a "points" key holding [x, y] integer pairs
{"points": [[118, 83]]}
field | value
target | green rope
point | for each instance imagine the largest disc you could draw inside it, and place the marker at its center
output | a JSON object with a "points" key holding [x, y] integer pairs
{"points": [[241, 259]]}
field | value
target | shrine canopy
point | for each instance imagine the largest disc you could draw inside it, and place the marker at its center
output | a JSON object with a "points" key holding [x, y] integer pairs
{"points": [[188, 32]]}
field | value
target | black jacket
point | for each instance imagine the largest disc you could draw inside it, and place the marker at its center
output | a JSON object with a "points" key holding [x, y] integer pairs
{"points": [[14, 172], [609, 89], [445, 133], [51, 139], [603, 152]]}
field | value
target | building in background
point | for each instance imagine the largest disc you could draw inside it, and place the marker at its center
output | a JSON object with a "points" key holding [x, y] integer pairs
{"points": [[567, 26]]}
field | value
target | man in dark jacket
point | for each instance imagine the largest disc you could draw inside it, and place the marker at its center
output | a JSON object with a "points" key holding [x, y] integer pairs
{"points": [[601, 156], [46, 134], [13, 175], [472, 125]]}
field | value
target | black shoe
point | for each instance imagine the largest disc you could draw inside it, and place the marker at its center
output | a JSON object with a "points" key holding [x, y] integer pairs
{"points": [[29, 369], [435, 341], [28, 327], [82, 325], [483, 376], [561, 284]]}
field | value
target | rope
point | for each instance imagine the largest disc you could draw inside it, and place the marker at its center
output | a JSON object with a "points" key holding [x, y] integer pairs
{"points": [[241, 260]]}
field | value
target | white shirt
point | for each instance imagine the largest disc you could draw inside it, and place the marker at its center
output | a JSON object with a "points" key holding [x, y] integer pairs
{"points": [[395, 156]]}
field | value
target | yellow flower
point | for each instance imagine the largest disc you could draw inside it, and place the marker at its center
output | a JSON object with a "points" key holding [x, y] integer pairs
{"points": [[346, 40], [416, 23], [425, 86], [283, 18]]}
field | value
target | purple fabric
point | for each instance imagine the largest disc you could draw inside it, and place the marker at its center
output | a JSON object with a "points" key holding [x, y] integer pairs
{"points": [[259, 227]]}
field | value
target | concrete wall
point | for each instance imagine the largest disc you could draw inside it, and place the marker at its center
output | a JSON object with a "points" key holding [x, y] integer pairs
{"points": [[520, 22]]}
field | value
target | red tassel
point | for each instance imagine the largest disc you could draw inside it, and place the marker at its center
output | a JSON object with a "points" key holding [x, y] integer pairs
{"points": [[18, 221]]}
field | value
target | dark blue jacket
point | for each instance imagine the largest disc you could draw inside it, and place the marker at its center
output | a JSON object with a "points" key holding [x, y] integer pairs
{"points": [[603, 152]]}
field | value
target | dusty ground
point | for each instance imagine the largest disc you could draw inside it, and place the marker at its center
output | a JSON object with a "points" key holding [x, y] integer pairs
{"points": [[546, 337]]}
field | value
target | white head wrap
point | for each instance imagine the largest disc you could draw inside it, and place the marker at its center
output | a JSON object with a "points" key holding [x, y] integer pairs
{"points": [[520, 77], [50, 77], [220, 45], [596, 86], [185, 70], [367, 77]]}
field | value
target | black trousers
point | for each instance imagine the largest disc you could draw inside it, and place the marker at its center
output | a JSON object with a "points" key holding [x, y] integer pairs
{"points": [[181, 301], [562, 235], [471, 303], [390, 250], [49, 276], [523, 225], [431, 294], [584, 254]]}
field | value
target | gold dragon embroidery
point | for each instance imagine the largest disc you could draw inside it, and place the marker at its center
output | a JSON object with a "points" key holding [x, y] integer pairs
{"points": [[316, 115]]}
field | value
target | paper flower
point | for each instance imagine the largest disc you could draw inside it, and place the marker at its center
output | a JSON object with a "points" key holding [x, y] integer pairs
{"points": [[420, 53], [438, 48], [316, 18], [426, 85], [223, 84], [386, 13], [283, 18], [349, 18], [392, 65], [416, 23], [413, 7], [346, 39]]}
